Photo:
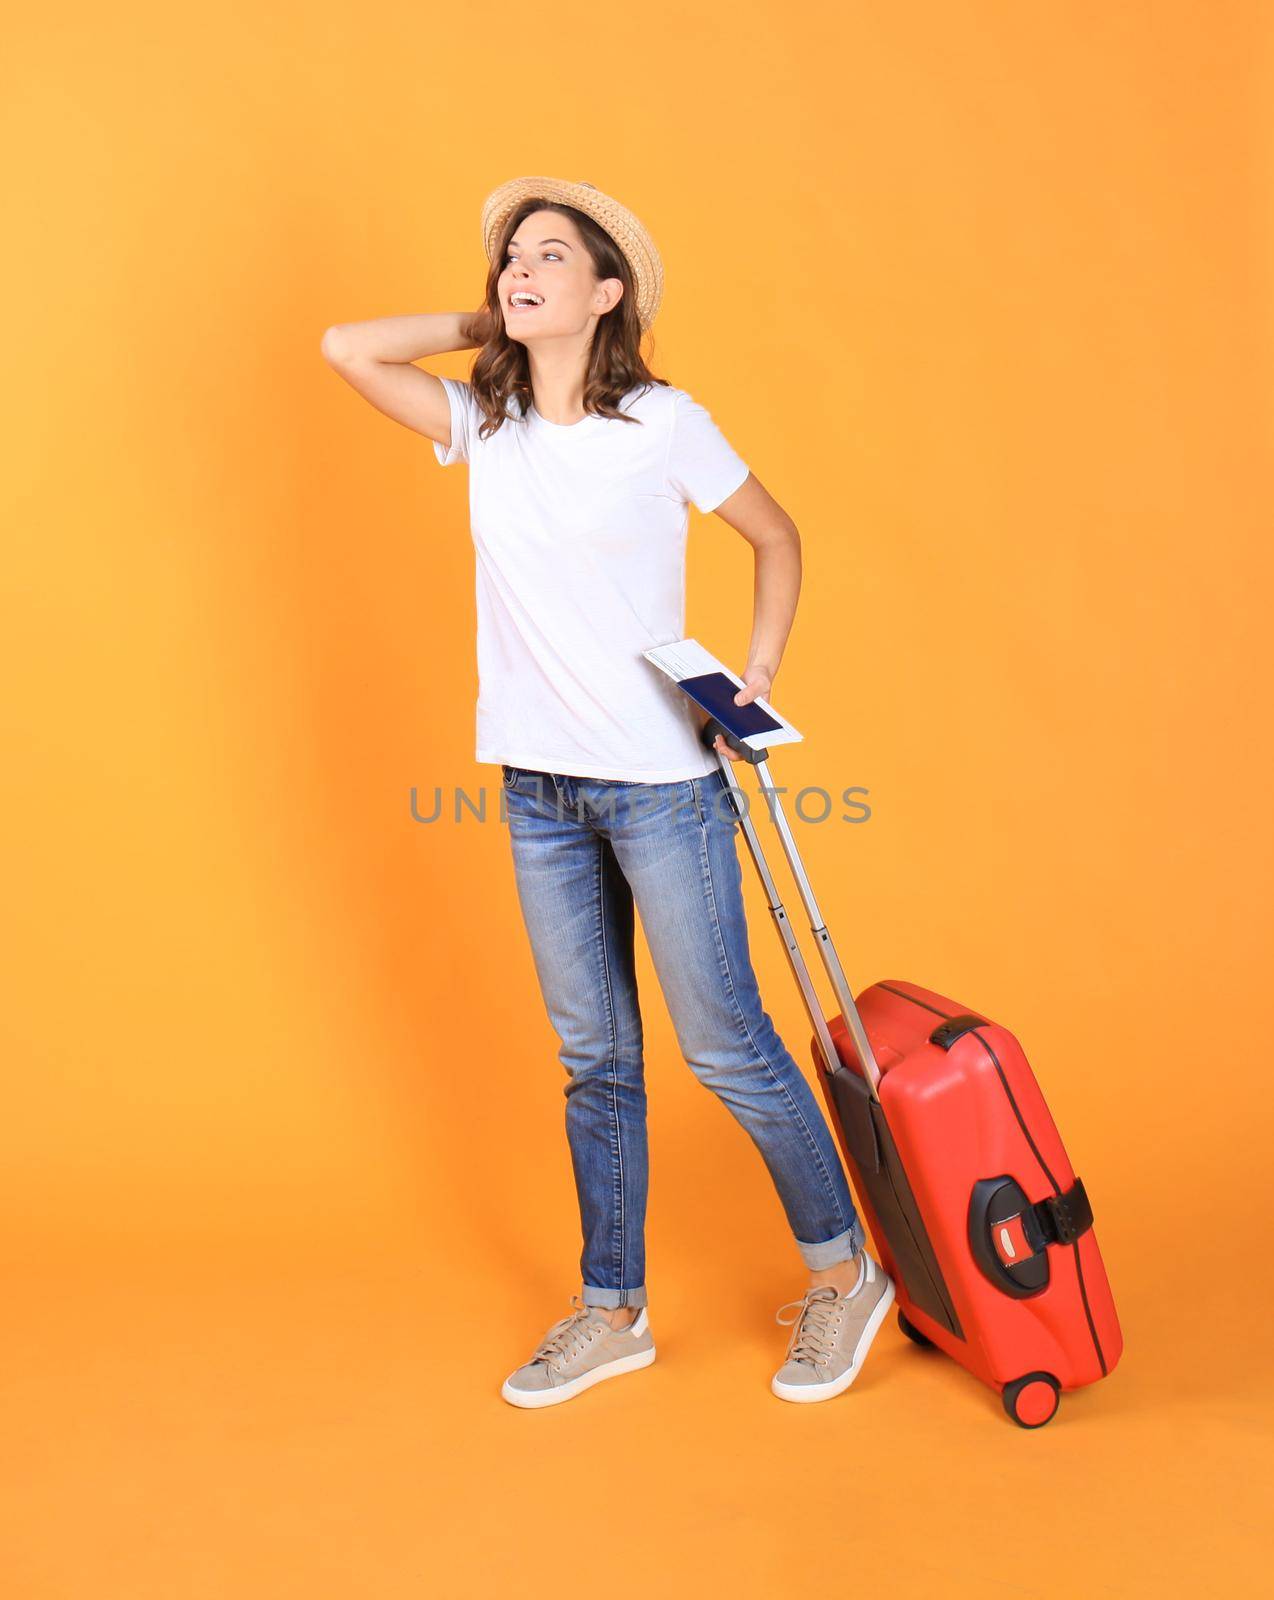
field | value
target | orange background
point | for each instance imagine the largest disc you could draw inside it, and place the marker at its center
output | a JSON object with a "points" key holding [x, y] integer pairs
{"points": [[982, 294]]}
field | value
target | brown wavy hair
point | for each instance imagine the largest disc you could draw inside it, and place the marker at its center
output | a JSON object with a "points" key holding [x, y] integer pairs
{"points": [[502, 369]]}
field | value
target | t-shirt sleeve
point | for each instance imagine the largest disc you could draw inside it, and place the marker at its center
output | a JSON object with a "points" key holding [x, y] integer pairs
{"points": [[702, 465], [466, 417]]}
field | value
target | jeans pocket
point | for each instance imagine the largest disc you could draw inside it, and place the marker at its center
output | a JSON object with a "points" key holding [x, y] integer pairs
{"points": [[509, 775]]}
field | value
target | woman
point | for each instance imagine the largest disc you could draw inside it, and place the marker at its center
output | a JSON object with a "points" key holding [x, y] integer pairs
{"points": [[582, 465]]}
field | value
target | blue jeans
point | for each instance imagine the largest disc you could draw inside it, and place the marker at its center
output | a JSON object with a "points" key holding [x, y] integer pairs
{"points": [[584, 850]]}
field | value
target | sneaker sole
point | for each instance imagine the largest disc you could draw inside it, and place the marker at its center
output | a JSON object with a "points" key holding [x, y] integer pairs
{"points": [[531, 1398], [803, 1392]]}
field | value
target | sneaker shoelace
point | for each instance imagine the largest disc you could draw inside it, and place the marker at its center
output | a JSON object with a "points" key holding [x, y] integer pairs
{"points": [[817, 1318], [565, 1339]]}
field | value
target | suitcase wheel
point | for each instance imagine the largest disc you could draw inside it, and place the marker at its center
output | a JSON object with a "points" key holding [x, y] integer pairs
{"points": [[914, 1333], [1033, 1400]]}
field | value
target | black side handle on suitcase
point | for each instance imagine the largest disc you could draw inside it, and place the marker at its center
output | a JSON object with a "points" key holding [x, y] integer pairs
{"points": [[946, 1033]]}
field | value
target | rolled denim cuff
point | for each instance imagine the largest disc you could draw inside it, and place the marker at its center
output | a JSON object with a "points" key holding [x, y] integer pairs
{"points": [[611, 1299], [844, 1247]]}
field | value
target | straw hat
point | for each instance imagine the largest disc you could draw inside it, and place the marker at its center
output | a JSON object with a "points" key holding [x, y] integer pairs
{"points": [[624, 228]]}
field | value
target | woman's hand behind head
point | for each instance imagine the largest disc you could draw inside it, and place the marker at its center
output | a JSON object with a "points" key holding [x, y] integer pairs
{"points": [[478, 327]]}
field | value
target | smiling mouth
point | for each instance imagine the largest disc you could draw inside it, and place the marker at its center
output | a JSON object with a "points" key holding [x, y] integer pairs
{"points": [[525, 305]]}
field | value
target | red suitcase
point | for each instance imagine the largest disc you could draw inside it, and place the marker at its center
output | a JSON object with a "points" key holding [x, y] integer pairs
{"points": [[959, 1169]]}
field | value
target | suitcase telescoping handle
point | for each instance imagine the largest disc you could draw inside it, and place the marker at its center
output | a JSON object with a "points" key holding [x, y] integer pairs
{"points": [[759, 759]]}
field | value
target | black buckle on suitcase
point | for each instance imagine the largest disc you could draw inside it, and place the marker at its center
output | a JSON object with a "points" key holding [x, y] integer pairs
{"points": [[1010, 1237], [1063, 1217]]}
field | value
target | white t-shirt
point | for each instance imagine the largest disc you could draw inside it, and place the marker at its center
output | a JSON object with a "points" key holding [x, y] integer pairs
{"points": [[579, 535]]}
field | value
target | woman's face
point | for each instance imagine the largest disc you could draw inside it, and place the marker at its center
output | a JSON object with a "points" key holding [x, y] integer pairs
{"points": [[547, 263]]}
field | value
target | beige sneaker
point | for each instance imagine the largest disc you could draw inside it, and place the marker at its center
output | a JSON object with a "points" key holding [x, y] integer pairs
{"points": [[578, 1352], [833, 1334]]}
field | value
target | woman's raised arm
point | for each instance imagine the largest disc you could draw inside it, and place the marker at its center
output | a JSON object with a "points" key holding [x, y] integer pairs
{"points": [[376, 358]]}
